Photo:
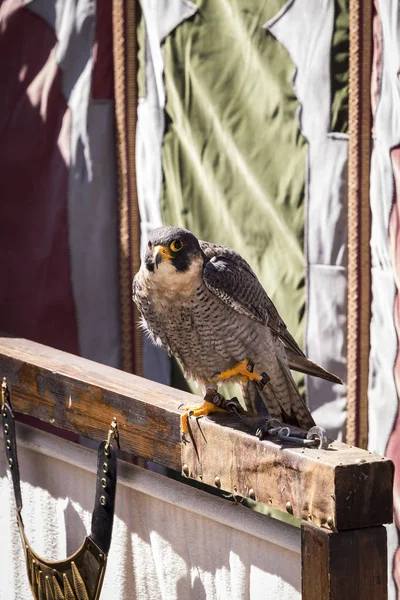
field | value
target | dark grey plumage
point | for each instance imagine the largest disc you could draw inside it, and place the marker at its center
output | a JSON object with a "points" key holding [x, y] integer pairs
{"points": [[203, 303]]}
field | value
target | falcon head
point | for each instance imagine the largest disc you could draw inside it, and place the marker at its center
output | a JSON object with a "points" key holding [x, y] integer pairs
{"points": [[173, 246]]}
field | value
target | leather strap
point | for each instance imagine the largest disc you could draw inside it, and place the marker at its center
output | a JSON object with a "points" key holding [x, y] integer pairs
{"points": [[11, 449], [103, 512]]}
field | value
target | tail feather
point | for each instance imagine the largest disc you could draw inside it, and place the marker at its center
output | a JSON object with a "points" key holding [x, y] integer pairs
{"points": [[299, 413], [308, 367], [281, 398]]}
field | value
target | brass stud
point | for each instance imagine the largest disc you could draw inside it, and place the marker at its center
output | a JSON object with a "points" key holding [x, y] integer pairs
{"points": [[8, 444], [6, 428], [185, 470], [252, 494], [104, 483], [10, 463], [330, 522], [359, 461], [217, 481], [5, 414], [105, 468], [289, 508], [100, 557], [103, 500]]}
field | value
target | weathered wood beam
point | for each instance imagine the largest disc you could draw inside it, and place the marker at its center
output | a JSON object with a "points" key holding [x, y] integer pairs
{"points": [[83, 396], [339, 488]]}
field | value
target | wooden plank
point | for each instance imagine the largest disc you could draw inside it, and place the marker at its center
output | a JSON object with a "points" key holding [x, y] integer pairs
{"points": [[338, 488], [83, 396], [350, 564]]}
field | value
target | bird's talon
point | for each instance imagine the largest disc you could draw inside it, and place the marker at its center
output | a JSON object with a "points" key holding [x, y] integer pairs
{"points": [[204, 410]]}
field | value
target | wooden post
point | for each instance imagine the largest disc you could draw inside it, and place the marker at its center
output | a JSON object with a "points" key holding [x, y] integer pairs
{"points": [[349, 564]]}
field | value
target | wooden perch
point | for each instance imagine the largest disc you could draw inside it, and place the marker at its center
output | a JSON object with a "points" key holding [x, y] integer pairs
{"points": [[340, 488]]}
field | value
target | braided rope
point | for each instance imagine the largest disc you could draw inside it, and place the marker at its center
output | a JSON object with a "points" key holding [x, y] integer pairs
{"points": [[124, 40], [359, 222], [131, 112]]}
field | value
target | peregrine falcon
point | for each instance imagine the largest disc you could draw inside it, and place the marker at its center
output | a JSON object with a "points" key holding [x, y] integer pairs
{"points": [[204, 304]]}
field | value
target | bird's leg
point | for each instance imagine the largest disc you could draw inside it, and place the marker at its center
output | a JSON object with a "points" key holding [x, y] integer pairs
{"points": [[212, 403], [245, 369]]}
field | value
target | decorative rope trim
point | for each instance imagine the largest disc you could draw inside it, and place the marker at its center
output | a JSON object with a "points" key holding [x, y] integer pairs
{"points": [[134, 216], [124, 54], [359, 222]]}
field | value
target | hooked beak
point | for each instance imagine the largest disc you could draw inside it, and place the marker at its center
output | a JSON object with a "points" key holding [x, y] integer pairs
{"points": [[160, 254]]}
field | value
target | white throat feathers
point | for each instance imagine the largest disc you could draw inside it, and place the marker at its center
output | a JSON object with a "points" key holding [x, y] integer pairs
{"points": [[167, 285]]}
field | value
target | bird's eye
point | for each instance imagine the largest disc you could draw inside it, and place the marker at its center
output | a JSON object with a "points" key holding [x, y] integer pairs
{"points": [[176, 245], [149, 244]]}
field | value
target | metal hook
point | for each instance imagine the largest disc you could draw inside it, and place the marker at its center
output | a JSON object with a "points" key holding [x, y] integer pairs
{"points": [[113, 433], [4, 393]]}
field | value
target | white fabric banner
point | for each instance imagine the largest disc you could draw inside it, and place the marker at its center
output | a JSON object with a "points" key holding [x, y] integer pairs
{"points": [[169, 541]]}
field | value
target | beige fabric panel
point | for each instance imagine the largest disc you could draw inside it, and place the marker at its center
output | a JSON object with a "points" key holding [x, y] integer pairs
{"points": [[170, 541]]}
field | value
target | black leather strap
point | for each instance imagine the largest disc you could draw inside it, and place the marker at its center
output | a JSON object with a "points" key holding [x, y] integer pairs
{"points": [[103, 512], [11, 449]]}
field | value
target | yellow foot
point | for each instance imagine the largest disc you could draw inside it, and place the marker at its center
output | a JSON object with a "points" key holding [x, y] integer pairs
{"points": [[198, 411], [243, 368]]}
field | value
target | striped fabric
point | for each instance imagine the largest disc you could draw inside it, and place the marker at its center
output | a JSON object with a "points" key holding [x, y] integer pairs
{"points": [[59, 247]]}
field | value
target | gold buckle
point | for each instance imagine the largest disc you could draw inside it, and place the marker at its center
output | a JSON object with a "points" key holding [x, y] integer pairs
{"points": [[113, 433]]}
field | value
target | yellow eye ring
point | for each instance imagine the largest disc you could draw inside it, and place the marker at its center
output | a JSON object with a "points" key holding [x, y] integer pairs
{"points": [[176, 245]]}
